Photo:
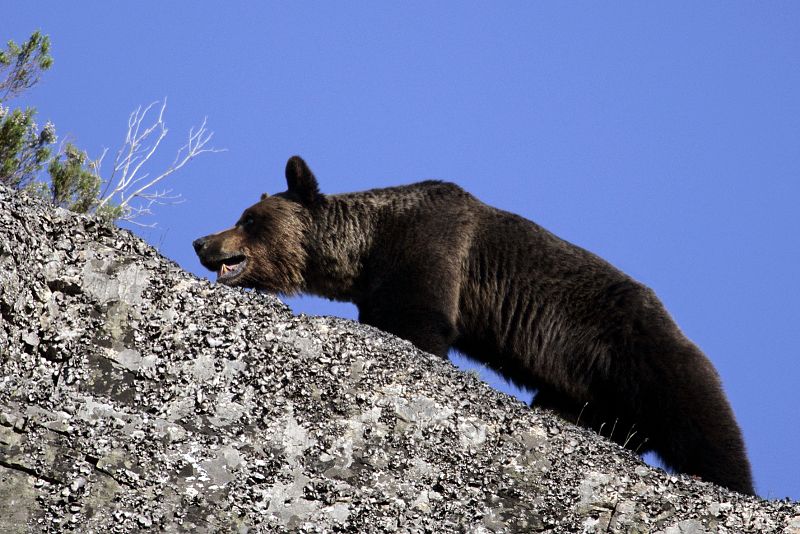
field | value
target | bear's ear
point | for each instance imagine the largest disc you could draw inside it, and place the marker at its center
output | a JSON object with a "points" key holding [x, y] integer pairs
{"points": [[301, 181]]}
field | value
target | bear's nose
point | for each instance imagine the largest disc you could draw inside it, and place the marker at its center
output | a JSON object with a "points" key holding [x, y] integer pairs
{"points": [[199, 244]]}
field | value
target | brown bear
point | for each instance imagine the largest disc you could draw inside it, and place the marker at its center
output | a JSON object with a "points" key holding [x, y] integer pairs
{"points": [[432, 264]]}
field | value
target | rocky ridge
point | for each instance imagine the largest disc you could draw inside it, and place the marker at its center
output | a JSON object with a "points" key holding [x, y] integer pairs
{"points": [[135, 396]]}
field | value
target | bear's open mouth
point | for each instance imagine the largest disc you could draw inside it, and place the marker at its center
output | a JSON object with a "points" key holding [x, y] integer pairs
{"points": [[230, 268]]}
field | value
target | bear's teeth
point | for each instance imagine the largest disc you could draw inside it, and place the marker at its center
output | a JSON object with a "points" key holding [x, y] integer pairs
{"points": [[224, 269]]}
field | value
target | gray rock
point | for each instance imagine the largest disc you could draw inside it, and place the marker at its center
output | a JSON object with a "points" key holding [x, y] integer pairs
{"points": [[134, 397]]}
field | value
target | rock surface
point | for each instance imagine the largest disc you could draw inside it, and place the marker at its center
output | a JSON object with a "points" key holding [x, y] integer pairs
{"points": [[135, 396]]}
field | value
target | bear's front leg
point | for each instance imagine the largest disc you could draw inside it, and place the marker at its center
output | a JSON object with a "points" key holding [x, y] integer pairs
{"points": [[427, 328], [414, 296]]}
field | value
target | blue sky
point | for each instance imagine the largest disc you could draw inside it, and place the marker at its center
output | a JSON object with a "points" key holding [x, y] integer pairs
{"points": [[665, 138]]}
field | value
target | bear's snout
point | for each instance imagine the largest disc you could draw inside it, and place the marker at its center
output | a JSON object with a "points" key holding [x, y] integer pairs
{"points": [[199, 244], [207, 251], [220, 253]]}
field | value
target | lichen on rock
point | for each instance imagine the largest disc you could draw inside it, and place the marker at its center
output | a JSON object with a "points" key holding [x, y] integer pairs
{"points": [[135, 396]]}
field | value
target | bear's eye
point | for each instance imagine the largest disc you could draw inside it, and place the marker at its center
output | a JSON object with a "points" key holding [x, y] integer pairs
{"points": [[247, 222]]}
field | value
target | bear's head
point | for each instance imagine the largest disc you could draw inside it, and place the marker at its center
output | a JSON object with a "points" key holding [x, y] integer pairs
{"points": [[265, 249]]}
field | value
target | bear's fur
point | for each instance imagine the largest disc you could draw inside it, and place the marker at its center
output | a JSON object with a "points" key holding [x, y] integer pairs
{"points": [[434, 265]]}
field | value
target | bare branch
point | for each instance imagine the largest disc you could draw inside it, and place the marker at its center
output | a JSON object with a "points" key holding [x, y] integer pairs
{"points": [[130, 187], [193, 148]]}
